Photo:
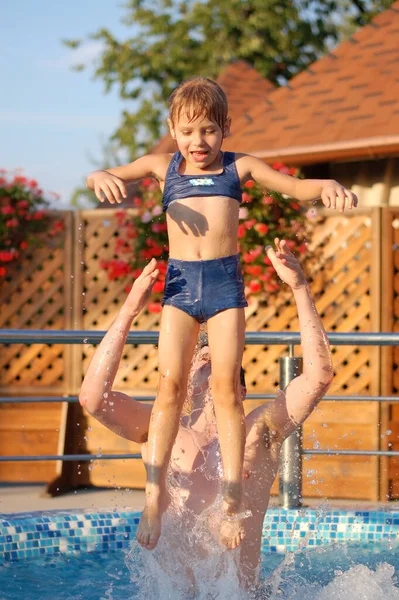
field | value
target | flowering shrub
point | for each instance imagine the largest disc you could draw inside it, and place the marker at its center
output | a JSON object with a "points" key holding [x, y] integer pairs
{"points": [[23, 218], [263, 216]]}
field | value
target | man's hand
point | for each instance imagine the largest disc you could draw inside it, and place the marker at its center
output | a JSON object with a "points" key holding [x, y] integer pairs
{"points": [[142, 287], [286, 265], [336, 196]]}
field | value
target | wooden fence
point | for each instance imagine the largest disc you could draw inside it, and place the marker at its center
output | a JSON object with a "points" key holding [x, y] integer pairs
{"points": [[355, 283]]}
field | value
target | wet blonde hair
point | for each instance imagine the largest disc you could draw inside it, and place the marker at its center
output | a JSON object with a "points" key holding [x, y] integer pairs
{"points": [[199, 97]]}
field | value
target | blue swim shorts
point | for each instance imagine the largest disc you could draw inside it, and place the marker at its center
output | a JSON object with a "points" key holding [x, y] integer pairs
{"points": [[203, 288]]}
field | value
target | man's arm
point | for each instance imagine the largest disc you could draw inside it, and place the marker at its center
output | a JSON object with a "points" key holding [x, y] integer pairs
{"points": [[293, 405], [117, 411]]}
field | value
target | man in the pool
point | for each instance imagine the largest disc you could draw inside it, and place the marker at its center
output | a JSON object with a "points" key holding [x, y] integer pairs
{"points": [[194, 473]]}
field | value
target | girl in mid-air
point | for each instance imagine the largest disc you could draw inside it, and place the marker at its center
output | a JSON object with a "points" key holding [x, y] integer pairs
{"points": [[201, 187]]}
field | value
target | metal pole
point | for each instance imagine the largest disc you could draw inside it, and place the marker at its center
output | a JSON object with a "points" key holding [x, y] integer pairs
{"points": [[290, 472]]}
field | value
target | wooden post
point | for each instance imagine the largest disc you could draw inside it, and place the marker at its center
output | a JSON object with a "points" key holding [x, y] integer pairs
{"points": [[72, 474]]}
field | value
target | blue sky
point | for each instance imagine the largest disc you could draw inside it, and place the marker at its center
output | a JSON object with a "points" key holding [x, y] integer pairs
{"points": [[53, 120]]}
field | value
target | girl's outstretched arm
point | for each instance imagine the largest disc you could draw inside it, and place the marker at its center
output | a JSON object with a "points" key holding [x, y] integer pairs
{"points": [[117, 411], [332, 194], [110, 184]]}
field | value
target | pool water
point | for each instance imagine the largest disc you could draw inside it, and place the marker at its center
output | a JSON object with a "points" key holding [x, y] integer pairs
{"points": [[337, 572]]}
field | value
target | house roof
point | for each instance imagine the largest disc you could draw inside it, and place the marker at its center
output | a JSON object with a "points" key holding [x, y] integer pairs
{"points": [[345, 105], [244, 88]]}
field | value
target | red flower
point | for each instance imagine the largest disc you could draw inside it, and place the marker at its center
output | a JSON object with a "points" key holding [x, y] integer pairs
{"points": [[58, 227], [246, 198], [23, 245], [271, 287], [266, 276], [279, 166], [7, 210], [154, 307], [290, 244], [252, 255], [20, 180], [267, 200], [254, 270], [8, 255], [146, 182], [120, 216], [159, 287], [241, 231], [23, 204], [249, 224], [262, 228], [255, 286], [146, 255], [39, 215], [117, 269], [302, 248], [250, 184], [162, 267], [3, 271], [12, 223], [158, 227], [295, 206]]}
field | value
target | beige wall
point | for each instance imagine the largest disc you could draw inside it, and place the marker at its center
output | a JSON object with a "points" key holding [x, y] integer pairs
{"points": [[376, 182]]}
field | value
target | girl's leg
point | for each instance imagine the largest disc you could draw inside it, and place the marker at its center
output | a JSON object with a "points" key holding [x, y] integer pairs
{"points": [[226, 332], [177, 339]]}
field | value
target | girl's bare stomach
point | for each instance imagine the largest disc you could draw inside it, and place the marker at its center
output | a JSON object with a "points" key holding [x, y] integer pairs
{"points": [[203, 228]]}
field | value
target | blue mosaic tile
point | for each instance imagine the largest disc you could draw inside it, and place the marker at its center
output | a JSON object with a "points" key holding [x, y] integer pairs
{"points": [[29, 535]]}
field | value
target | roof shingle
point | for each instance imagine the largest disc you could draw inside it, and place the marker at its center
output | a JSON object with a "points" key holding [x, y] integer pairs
{"points": [[344, 105]]}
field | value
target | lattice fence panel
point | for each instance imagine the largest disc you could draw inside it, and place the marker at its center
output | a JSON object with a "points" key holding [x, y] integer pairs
{"points": [[34, 295], [341, 284], [101, 299], [340, 281]]}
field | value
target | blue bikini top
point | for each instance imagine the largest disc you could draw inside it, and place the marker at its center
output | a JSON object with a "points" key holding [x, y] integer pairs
{"points": [[177, 187]]}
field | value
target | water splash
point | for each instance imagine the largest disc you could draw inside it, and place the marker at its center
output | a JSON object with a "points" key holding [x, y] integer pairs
{"points": [[190, 564]]}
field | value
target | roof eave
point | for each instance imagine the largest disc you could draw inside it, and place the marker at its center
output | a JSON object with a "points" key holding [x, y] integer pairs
{"points": [[365, 148]]}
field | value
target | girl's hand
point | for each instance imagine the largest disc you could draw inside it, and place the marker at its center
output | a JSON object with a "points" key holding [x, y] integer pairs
{"points": [[107, 187], [286, 265], [336, 196]]}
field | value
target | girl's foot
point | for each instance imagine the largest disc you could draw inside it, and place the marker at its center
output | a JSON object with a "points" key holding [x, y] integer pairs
{"points": [[149, 528], [232, 530]]}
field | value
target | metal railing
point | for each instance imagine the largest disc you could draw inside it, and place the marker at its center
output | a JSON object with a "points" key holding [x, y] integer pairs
{"points": [[290, 471]]}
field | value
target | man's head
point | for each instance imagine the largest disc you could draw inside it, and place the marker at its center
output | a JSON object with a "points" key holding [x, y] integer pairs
{"points": [[198, 120]]}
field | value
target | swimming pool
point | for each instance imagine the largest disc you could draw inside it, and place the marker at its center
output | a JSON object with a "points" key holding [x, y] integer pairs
{"points": [[306, 553]]}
